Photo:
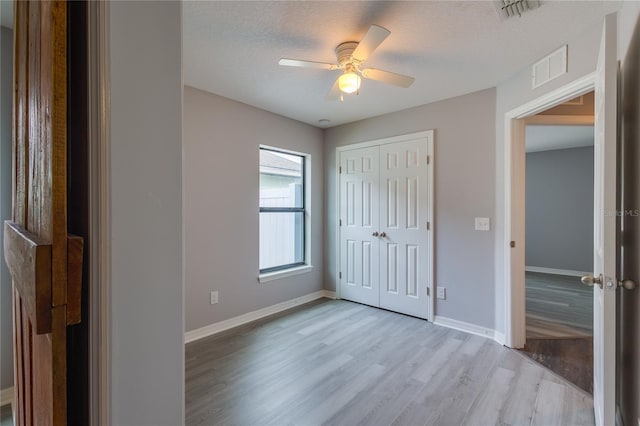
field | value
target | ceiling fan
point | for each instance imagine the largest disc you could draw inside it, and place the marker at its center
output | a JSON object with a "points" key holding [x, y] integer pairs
{"points": [[351, 55]]}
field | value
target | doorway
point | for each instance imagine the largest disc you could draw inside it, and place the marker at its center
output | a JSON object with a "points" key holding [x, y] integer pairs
{"points": [[559, 239]]}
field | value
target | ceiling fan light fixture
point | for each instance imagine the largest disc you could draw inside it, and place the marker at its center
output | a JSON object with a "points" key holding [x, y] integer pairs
{"points": [[349, 82]]}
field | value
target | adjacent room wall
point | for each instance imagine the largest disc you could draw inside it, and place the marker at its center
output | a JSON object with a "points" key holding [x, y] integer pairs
{"points": [[6, 330], [146, 349], [513, 93], [464, 189], [559, 230], [628, 342], [221, 182]]}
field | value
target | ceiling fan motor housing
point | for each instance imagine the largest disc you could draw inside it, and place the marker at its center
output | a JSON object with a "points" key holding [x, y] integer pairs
{"points": [[344, 52]]}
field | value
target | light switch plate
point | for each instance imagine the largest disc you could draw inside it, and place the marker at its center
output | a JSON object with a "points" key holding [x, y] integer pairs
{"points": [[483, 224], [442, 293]]}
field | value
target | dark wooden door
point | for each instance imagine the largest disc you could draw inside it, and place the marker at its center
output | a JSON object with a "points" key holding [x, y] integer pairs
{"points": [[45, 262]]}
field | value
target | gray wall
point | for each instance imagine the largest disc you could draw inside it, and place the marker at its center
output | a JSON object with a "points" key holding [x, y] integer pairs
{"points": [[583, 55], [464, 188], [559, 217], [221, 183], [146, 320], [6, 329], [628, 344]]}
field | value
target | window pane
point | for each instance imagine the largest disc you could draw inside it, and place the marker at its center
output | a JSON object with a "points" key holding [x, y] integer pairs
{"points": [[281, 239], [280, 179]]}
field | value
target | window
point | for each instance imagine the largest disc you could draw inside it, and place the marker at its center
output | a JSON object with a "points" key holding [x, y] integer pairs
{"points": [[282, 210]]}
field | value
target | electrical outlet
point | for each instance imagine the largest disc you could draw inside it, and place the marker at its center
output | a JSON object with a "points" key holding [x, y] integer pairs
{"points": [[214, 297], [442, 293]]}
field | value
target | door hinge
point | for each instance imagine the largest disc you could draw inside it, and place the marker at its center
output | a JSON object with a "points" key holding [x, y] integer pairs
{"points": [[428, 292], [340, 169], [340, 275], [512, 244], [428, 226], [428, 159], [340, 222]]}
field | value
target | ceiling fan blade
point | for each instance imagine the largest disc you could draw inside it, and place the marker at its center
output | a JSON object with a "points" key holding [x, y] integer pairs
{"points": [[372, 39], [388, 77], [334, 94], [307, 64]]}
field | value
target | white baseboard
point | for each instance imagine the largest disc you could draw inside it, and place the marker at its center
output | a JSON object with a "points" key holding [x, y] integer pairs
{"points": [[211, 329], [466, 327], [499, 337], [6, 396], [555, 271], [330, 294]]}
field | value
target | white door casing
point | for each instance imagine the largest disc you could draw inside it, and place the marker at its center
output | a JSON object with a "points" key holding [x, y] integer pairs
{"points": [[604, 259], [386, 186], [510, 258]]}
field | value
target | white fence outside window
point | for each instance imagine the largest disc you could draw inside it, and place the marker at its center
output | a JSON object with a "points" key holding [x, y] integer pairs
{"points": [[280, 242]]}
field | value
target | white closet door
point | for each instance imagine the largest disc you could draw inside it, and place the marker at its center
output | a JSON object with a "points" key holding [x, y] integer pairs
{"points": [[404, 213], [359, 248]]}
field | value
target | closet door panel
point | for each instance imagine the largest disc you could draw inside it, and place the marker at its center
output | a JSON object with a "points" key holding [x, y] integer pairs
{"points": [[404, 236], [359, 215]]}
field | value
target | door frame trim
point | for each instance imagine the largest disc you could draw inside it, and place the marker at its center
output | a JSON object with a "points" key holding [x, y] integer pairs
{"points": [[99, 89], [514, 120], [429, 135]]}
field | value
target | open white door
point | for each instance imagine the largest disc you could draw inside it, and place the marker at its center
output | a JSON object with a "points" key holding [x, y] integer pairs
{"points": [[604, 259]]}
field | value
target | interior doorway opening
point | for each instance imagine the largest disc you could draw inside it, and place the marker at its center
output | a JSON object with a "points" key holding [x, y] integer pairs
{"points": [[559, 234]]}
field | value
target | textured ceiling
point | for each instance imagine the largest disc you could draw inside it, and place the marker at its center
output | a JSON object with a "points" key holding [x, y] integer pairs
{"points": [[546, 138], [232, 48]]}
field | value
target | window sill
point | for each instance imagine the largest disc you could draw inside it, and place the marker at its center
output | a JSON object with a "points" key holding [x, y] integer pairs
{"points": [[271, 276]]}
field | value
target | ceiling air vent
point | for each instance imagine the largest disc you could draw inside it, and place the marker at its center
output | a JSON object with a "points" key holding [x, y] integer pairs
{"points": [[510, 8]]}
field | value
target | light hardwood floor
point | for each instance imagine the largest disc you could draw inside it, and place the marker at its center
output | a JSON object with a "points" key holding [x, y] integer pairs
{"points": [[341, 363], [558, 306]]}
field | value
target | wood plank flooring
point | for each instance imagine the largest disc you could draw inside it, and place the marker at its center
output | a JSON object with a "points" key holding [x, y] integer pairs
{"points": [[335, 362], [558, 306]]}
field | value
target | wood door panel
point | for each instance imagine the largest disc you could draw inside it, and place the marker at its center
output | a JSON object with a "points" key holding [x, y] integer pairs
{"points": [[28, 258], [20, 355], [44, 261], [19, 159]]}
